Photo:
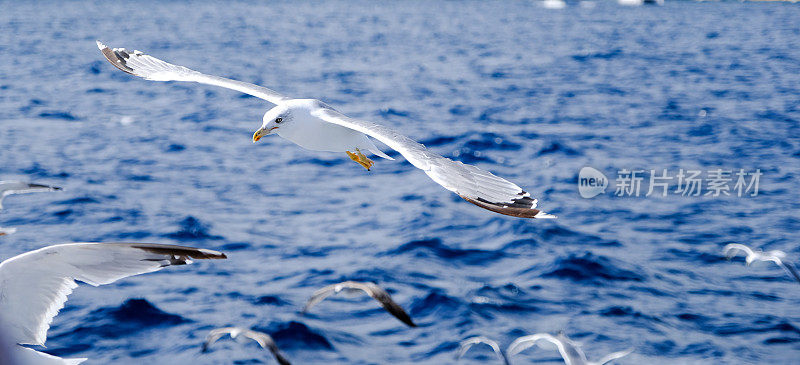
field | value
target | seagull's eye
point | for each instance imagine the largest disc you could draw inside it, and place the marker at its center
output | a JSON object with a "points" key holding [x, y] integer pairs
{"points": [[278, 120]]}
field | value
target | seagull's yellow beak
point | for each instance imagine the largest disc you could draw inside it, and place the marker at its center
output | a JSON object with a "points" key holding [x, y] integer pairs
{"points": [[261, 133]]}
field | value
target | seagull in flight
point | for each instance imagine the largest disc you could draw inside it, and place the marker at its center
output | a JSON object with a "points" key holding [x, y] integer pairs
{"points": [[34, 285], [468, 343], [316, 126], [775, 256], [370, 289], [18, 187], [570, 350], [237, 333]]}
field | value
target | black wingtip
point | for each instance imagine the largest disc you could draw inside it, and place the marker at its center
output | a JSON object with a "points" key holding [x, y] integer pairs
{"points": [[513, 211], [162, 249], [54, 188], [116, 58], [403, 317]]}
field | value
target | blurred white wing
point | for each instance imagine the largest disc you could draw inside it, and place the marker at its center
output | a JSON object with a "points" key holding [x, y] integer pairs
{"points": [[139, 64], [18, 187], [614, 356], [35, 285], [471, 183], [524, 342], [26, 356], [733, 249], [468, 343]]}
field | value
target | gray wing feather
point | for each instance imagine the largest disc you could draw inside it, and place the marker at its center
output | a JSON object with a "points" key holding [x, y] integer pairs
{"points": [[370, 289], [215, 335], [614, 356], [468, 343], [789, 267], [388, 303], [19, 187], [268, 343], [319, 296], [476, 186], [139, 64]]}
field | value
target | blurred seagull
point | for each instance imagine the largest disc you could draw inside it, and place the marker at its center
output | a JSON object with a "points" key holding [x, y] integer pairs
{"points": [[468, 343], [17, 187], [775, 256], [238, 333], [570, 351], [371, 289], [314, 125], [34, 285]]}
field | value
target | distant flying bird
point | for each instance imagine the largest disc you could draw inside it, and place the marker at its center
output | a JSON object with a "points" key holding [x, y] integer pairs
{"points": [[468, 343], [314, 125], [17, 187], [34, 285], [371, 289], [570, 351], [775, 256], [237, 333]]}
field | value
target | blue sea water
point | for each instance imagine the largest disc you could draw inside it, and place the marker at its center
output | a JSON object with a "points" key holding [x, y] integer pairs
{"points": [[530, 94]]}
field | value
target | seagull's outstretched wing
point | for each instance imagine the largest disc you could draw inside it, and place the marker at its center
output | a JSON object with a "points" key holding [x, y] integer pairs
{"points": [[35, 285], [215, 335], [468, 343], [789, 267], [5, 231], [471, 183], [18, 187], [139, 64], [732, 249], [268, 343], [524, 342], [26, 356], [370, 289], [263, 339], [614, 356]]}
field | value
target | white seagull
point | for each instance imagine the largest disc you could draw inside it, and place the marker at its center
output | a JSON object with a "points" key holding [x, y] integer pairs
{"points": [[34, 285], [570, 351], [370, 289], [18, 187], [238, 333], [468, 343], [775, 256], [316, 126]]}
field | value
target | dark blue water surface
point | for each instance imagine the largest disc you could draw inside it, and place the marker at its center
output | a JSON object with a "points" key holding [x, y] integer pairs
{"points": [[530, 94]]}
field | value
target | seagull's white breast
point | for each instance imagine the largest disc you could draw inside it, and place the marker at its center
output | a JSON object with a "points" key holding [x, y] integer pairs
{"points": [[312, 133]]}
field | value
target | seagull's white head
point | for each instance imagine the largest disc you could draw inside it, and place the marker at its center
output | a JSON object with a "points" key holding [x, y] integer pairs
{"points": [[277, 117]]}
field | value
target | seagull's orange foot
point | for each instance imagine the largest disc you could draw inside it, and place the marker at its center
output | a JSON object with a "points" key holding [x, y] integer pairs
{"points": [[360, 159]]}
